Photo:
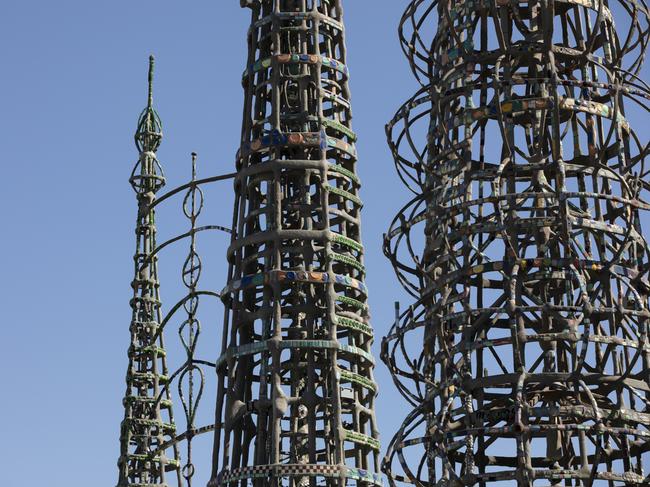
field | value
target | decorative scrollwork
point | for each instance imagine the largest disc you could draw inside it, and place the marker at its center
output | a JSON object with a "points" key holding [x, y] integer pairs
{"points": [[190, 329]]}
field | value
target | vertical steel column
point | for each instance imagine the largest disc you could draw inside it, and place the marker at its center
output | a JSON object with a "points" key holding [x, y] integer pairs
{"points": [[148, 419], [296, 392], [526, 355]]}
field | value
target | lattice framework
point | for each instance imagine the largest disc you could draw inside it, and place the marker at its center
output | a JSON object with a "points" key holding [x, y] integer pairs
{"points": [[526, 354], [296, 391]]}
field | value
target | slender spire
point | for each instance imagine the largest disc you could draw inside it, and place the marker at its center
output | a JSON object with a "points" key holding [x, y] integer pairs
{"points": [[148, 419]]}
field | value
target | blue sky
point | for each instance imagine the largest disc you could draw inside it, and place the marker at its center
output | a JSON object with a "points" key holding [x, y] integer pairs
{"points": [[73, 84]]}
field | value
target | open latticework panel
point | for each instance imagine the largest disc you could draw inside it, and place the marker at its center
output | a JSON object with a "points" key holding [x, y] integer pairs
{"points": [[526, 355], [295, 403]]}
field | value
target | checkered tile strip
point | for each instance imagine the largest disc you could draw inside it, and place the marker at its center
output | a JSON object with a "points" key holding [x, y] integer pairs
{"points": [[297, 470]]}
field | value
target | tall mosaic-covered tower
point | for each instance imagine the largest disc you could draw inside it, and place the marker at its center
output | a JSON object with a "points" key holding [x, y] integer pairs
{"points": [[148, 420], [296, 390], [526, 354]]}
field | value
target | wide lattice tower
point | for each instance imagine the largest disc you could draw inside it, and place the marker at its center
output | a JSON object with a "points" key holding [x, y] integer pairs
{"points": [[296, 390], [148, 423], [526, 354]]}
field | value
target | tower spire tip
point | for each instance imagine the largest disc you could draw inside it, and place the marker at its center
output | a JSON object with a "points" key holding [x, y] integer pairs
{"points": [[151, 67]]}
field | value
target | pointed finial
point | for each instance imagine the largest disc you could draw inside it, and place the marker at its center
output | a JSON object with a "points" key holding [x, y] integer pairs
{"points": [[151, 66], [194, 155], [149, 132]]}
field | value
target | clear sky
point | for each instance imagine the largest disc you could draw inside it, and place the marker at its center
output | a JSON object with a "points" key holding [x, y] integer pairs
{"points": [[73, 83], [72, 86]]}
